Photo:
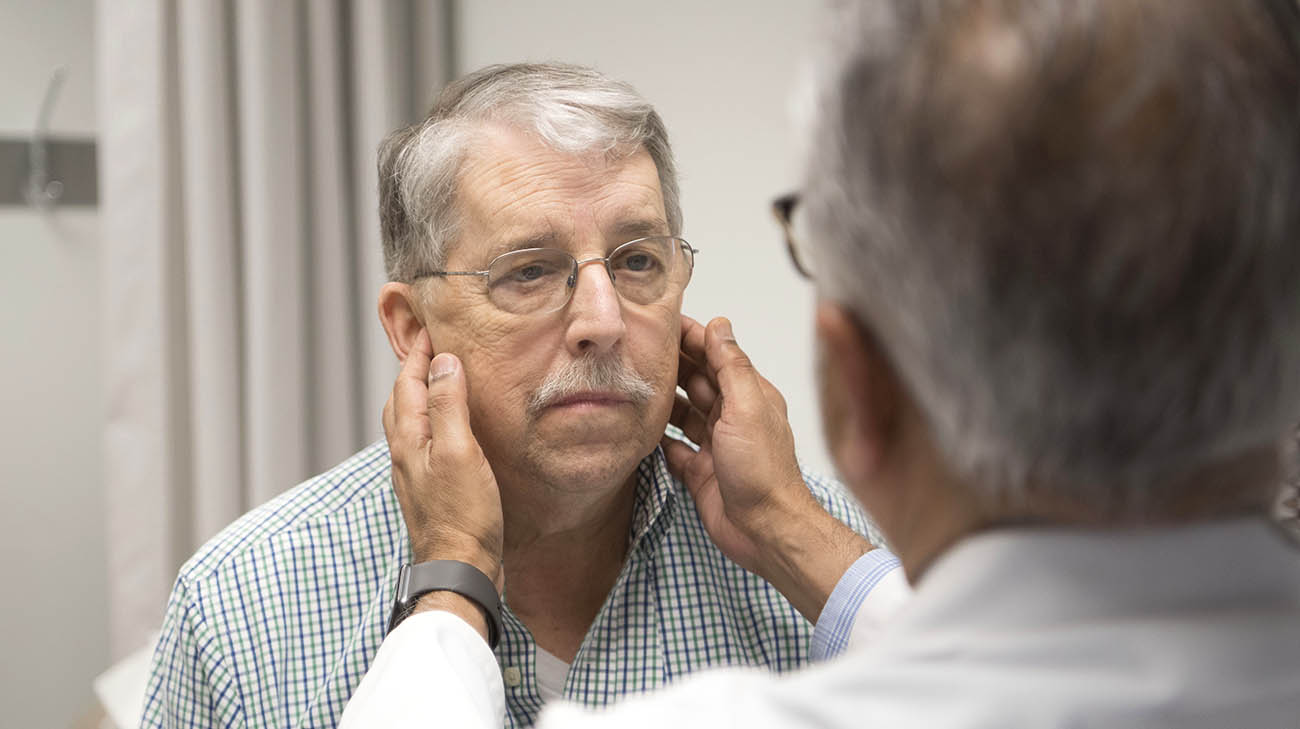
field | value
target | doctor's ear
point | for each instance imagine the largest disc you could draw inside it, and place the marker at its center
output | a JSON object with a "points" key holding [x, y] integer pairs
{"points": [[400, 314], [861, 397]]}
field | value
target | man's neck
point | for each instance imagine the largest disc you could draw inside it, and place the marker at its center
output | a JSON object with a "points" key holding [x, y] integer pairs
{"points": [[563, 552]]}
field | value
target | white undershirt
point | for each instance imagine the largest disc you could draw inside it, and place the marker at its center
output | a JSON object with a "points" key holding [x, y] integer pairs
{"points": [[551, 673]]}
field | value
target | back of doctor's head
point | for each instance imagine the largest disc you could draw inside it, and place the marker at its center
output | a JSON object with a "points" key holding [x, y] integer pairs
{"points": [[1074, 226]]}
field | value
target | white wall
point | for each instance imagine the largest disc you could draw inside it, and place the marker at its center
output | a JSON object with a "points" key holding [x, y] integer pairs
{"points": [[720, 74], [53, 630]]}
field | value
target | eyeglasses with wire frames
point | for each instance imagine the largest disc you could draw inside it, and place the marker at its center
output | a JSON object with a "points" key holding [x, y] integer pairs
{"points": [[542, 280], [784, 208]]}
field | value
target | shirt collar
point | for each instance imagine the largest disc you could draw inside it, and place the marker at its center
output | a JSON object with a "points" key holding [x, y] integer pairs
{"points": [[656, 502], [1046, 575]]}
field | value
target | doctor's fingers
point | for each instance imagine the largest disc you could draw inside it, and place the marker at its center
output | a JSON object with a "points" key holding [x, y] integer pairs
{"points": [[693, 422], [406, 418]]}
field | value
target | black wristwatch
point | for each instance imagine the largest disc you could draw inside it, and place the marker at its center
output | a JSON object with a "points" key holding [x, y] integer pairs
{"points": [[463, 579]]}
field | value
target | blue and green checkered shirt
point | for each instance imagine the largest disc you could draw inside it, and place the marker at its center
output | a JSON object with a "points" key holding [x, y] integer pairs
{"points": [[274, 622]]}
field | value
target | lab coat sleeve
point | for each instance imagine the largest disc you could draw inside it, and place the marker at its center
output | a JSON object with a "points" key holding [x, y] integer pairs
{"points": [[432, 670]]}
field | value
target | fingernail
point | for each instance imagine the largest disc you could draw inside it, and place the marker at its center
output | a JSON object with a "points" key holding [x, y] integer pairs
{"points": [[443, 365], [726, 331]]}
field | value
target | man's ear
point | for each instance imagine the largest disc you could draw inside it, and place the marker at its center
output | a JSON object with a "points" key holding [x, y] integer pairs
{"points": [[860, 394], [400, 314]]}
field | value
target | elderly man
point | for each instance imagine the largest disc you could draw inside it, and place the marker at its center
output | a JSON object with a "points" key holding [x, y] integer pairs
{"points": [[1056, 249], [532, 228]]}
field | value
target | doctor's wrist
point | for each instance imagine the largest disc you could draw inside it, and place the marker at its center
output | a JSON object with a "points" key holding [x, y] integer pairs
{"points": [[460, 548], [460, 606], [805, 555]]}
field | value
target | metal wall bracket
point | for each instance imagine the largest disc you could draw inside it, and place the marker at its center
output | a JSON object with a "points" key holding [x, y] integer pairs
{"points": [[72, 170]]}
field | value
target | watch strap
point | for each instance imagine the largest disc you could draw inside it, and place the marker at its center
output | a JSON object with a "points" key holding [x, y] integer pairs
{"points": [[417, 580]]}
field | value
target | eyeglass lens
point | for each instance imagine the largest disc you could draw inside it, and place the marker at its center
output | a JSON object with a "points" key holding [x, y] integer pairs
{"points": [[542, 279]]}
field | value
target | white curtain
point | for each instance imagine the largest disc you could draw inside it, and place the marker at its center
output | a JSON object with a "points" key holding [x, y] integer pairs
{"points": [[241, 257]]}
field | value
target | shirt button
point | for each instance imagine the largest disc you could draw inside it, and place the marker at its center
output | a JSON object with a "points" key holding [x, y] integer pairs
{"points": [[512, 677]]}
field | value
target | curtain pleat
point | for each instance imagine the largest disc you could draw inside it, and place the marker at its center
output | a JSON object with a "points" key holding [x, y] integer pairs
{"points": [[334, 401], [272, 201], [241, 258], [213, 281]]}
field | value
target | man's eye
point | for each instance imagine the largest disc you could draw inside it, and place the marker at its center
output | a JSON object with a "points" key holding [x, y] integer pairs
{"points": [[530, 272], [638, 262]]}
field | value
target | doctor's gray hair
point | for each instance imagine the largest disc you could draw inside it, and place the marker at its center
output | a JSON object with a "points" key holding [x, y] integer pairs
{"points": [[1074, 227], [568, 108]]}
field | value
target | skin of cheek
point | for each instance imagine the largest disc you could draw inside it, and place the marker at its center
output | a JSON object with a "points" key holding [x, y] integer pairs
{"points": [[504, 360], [658, 330]]}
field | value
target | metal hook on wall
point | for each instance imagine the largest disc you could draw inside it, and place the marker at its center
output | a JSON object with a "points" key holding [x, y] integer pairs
{"points": [[41, 190]]}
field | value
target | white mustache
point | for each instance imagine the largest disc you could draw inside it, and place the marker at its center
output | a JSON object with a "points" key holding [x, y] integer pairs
{"points": [[604, 374]]}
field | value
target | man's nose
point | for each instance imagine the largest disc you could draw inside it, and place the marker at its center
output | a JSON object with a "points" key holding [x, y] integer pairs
{"points": [[595, 313]]}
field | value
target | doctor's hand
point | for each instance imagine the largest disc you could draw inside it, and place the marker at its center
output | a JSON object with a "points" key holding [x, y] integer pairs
{"points": [[745, 479], [448, 494]]}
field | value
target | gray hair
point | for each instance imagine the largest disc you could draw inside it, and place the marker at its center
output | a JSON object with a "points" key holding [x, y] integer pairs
{"points": [[1074, 226], [569, 108]]}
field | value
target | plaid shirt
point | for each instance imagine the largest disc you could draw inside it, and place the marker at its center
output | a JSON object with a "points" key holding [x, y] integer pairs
{"points": [[274, 622]]}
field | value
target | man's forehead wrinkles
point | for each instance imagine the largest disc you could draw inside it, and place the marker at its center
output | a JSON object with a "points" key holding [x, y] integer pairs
{"points": [[503, 206], [554, 223], [541, 171]]}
